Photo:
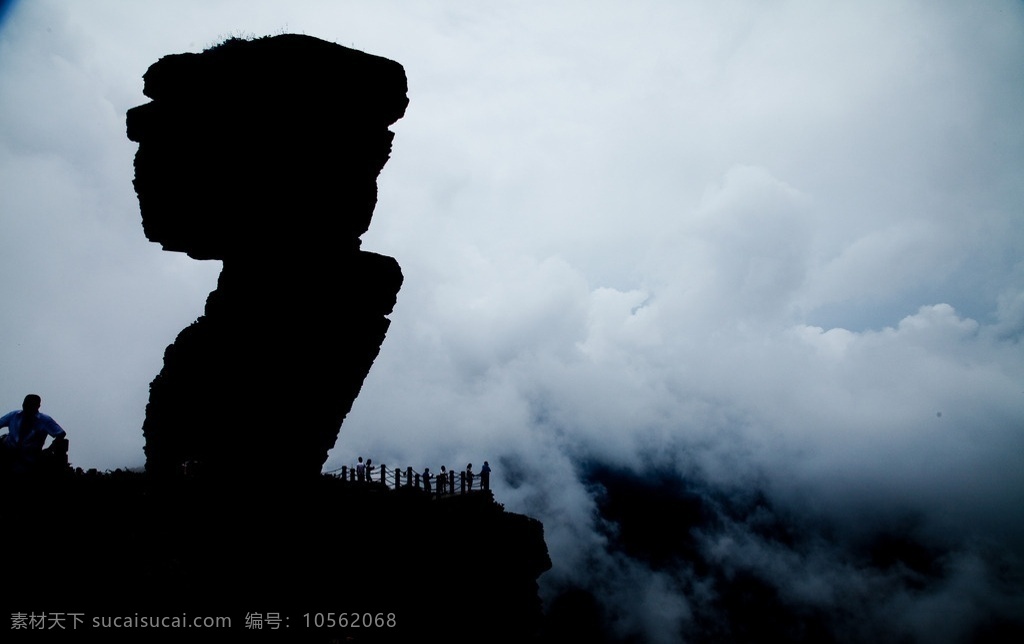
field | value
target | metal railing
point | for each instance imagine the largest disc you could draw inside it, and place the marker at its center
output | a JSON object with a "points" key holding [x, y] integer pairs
{"points": [[440, 484]]}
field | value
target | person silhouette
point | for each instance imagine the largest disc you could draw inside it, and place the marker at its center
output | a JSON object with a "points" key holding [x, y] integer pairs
{"points": [[442, 481], [485, 476], [27, 432], [469, 477]]}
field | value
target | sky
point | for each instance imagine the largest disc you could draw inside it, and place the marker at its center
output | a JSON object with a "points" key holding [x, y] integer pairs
{"points": [[747, 245]]}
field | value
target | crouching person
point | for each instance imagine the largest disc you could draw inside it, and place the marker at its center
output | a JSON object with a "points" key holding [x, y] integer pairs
{"points": [[21, 448]]}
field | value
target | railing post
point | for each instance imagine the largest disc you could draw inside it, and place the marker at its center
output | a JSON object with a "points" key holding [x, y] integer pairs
{"points": [[408, 476], [383, 474], [462, 482], [344, 472], [451, 482]]}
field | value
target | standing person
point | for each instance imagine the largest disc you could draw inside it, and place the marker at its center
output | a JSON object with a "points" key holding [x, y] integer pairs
{"points": [[442, 482], [361, 470], [426, 479], [27, 432], [485, 476], [369, 470], [469, 477]]}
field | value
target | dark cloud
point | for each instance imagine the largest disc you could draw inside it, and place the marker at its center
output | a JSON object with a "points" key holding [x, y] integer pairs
{"points": [[731, 565]]}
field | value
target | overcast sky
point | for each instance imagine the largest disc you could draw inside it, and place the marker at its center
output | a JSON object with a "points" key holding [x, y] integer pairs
{"points": [[754, 243]]}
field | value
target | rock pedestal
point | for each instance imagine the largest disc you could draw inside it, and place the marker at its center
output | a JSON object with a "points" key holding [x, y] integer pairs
{"points": [[265, 154]]}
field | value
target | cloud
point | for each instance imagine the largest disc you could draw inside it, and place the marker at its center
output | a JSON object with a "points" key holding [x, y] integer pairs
{"points": [[768, 253]]}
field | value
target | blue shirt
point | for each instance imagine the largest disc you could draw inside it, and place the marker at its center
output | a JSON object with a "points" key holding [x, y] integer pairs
{"points": [[37, 430]]}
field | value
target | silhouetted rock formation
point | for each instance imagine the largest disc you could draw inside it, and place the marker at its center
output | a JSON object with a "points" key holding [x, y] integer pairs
{"points": [[265, 154]]}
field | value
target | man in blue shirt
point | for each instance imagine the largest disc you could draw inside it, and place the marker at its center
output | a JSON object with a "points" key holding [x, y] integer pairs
{"points": [[28, 429]]}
